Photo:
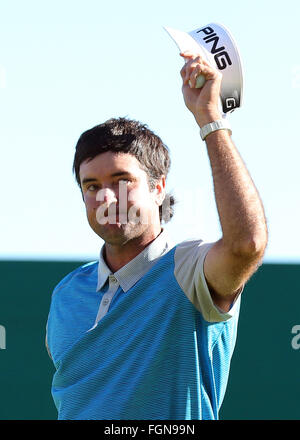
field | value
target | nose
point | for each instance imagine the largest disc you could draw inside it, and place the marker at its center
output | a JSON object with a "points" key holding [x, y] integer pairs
{"points": [[106, 195]]}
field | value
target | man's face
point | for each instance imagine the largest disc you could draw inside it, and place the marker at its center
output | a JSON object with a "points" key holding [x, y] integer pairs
{"points": [[119, 203]]}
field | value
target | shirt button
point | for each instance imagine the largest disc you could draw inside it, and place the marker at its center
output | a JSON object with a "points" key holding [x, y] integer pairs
{"points": [[105, 301], [113, 279]]}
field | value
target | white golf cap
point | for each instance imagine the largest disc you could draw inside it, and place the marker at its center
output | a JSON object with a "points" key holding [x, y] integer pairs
{"points": [[215, 43]]}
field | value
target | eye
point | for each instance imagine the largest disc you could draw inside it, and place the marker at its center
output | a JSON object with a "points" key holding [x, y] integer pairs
{"points": [[92, 187]]}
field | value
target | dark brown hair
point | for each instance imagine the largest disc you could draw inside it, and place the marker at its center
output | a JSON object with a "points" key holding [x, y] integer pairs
{"points": [[133, 137]]}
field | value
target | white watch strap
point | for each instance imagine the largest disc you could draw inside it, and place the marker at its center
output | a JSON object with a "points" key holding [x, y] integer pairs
{"points": [[220, 124]]}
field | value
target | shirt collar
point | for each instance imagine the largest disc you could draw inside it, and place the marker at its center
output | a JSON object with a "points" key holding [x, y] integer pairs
{"points": [[129, 274]]}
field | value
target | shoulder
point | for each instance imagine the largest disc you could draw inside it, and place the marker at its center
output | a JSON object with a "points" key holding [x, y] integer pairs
{"points": [[191, 252], [189, 260], [80, 272]]}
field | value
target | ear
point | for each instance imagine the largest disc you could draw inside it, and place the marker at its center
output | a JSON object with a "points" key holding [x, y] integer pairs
{"points": [[160, 188]]}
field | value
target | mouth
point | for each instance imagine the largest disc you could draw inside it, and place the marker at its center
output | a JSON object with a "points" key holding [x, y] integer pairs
{"points": [[114, 218]]}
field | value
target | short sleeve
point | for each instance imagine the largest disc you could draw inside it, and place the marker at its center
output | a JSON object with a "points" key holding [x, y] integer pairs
{"points": [[189, 262]]}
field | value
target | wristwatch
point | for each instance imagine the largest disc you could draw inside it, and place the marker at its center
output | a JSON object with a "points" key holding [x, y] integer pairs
{"points": [[220, 124]]}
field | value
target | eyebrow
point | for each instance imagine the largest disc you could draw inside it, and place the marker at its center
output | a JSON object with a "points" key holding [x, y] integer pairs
{"points": [[117, 174]]}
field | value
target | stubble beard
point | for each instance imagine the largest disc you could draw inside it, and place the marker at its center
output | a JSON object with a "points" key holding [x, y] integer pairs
{"points": [[119, 234]]}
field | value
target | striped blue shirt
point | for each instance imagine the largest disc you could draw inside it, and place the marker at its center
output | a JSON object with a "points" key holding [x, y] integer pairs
{"points": [[145, 342]]}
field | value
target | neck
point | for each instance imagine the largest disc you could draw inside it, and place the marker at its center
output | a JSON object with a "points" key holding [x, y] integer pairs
{"points": [[117, 256]]}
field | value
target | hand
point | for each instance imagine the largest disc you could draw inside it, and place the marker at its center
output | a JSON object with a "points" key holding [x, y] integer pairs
{"points": [[203, 102]]}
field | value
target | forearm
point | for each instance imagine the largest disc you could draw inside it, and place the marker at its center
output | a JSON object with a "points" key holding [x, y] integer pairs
{"points": [[239, 206], [238, 203]]}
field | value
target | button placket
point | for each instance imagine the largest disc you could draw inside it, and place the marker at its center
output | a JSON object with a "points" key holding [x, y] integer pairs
{"points": [[112, 279], [113, 287], [106, 299]]}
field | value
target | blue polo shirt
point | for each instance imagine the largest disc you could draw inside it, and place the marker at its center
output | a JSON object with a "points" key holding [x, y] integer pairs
{"points": [[145, 342]]}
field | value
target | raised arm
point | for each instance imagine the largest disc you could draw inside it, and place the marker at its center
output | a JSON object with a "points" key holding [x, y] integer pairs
{"points": [[235, 257]]}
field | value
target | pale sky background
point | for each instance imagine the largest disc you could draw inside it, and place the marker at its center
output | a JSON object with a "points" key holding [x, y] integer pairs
{"points": [[66, 66]]}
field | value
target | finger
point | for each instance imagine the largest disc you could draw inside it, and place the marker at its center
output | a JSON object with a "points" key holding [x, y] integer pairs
{"points": [[190, 66], [197, 70], [187, 70], [188, 55], [195, 73], [192, 56], [206, 71], [183, 71], [189, 58]]}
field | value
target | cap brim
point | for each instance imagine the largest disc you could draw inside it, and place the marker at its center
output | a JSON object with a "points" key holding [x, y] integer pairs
{"points": [[218, 47]]}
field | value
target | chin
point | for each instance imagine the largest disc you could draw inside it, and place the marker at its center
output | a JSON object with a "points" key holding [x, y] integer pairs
{"points": [[118, 233]]}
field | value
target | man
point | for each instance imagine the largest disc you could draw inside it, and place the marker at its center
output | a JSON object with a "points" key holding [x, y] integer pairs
{"points": [[148, 331]]}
